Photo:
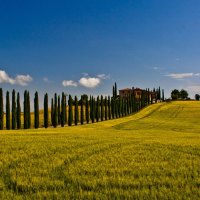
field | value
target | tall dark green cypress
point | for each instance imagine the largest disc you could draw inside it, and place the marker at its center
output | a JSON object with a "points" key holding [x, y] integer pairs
{"points": [[36, 111], [59, 112], [1, 109], [7, 111], [109, 108], [87, 111], [25, 110], [55, 114], [63, 110], [93, 109], [18, 112], [65, 105], [106, 108], [70, 107], [97, 109], [46, 111], [90, 108], [52, 112], [82, 111], [102, 108], [120, 107], [76, 115], [29, 110], [113, 108], [13, 110], [115, 90]]}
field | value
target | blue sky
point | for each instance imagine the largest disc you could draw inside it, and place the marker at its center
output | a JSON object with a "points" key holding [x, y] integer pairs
{"points": [[85, 46]]}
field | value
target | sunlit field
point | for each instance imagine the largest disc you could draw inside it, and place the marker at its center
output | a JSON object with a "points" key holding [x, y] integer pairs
{"points": [[154, 154]]}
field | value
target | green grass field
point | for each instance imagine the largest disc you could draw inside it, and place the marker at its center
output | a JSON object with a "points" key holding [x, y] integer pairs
{"points": [[154, 154]]}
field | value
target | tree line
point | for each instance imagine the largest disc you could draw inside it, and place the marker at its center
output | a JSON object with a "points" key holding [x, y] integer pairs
{"points": [[70, 111]]}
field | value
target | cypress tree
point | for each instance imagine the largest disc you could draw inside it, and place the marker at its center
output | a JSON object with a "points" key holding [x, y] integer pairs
{"points": [[76, 111], [106, 108], [1, 109], [25, 110], [55, 114], [116, 107], [87, 111], [59, 112], [109, 108], [82, 112], [120, 107], [102, 108], [163, 95], [52, 112], [13, 110], [18, 112], [46, 111], [36, 111], [115, 90], [70, 115], [92, 109], [28, 110], [113, 108], [63, 112], [7, 111], [65, 105], [97, 109]]}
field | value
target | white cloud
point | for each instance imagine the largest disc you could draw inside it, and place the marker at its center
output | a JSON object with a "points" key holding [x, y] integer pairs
{"points": [[90, 82], [103, 76], [181, 76], [69, 83], [4, 78], [22, 80]]}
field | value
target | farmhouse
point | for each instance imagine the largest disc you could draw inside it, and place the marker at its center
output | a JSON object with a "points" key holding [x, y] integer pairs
{"points": [[124, 93]]}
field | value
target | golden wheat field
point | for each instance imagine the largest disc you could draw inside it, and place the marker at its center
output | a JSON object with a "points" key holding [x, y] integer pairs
{"points": [[154, 154]]}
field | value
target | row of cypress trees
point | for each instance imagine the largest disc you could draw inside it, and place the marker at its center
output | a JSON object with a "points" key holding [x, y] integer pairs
{"points": [[81, 111]]}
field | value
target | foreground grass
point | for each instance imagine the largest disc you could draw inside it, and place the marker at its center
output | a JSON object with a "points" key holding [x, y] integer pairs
{"points": [[154, 154]]}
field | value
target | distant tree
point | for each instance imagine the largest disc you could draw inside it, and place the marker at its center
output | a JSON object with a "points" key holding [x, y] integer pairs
{"points": [[115, 90], [18, 112], [55, 113], [183, 94], [82, 111], [197, 97], [59, 112], [76, 112], [163, 95], [93, 109], [102, 108], [63, 110], [13, 110], [46, 111], [1, 109], [25, 109], [175, 94], [113, 108], [106, 108], [87, 111], [97, 109], [28, 110], [36, 111], [109, 108], [7, 111], [70, 107], [52, 112]]}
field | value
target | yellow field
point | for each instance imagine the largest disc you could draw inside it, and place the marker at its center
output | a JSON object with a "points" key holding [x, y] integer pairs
{"points": [[154, 154]]}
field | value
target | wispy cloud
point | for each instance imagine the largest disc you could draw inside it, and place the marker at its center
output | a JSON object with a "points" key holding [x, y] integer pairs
{"points": [[69, 83], [45, 79], [86, 81], [182, 75], [22, 80]]}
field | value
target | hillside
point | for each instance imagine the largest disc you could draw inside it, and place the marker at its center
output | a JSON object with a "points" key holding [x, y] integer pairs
{"points": [[154, 154]]}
